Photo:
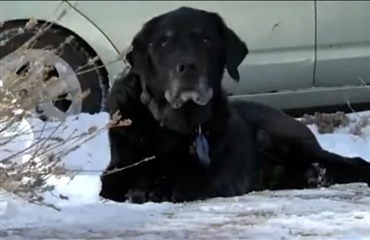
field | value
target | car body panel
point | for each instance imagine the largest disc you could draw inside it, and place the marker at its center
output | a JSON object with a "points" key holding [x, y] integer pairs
{"points": [[311, 97], [280, 68], [72, 20], [343, 43], [281, 42]]}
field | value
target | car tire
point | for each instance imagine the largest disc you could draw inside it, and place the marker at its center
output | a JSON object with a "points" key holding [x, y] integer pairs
{"points": [[76, 54]]}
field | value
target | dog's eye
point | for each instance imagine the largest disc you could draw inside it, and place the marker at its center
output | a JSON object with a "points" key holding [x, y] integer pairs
{"points": [[164, 43], [206, 40]]}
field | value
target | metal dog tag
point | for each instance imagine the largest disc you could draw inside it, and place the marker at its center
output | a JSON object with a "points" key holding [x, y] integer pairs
{"points": [[202, 149]]}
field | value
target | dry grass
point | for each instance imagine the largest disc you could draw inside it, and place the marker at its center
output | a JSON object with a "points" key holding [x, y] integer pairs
{"points": [[20, 94], [328, 122]]}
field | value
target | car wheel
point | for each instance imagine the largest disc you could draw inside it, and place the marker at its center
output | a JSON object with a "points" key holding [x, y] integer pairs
{"points": [[64, 66]]}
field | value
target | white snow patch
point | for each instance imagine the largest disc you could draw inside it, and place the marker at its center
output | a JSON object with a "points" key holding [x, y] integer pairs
{"points": [[339, 212]]}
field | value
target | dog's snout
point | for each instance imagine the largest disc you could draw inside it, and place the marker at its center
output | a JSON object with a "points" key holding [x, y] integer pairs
{"points": [[179, 98], [183, 68], [191, 95]]}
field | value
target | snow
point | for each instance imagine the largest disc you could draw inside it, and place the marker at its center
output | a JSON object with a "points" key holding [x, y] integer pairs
{"points": [[340, 212]]}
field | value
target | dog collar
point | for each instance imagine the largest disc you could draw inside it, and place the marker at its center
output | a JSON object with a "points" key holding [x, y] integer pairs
{"points": [[148, 100]]}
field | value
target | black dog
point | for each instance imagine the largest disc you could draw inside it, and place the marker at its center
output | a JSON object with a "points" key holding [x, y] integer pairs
{"points": [[203, 145]]}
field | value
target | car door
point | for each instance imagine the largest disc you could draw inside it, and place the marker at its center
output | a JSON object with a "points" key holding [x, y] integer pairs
{"points": [[343, 43], [280, 36]]}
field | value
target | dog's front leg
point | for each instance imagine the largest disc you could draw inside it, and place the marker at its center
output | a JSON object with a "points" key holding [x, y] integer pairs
{"points": [[118, 178]]}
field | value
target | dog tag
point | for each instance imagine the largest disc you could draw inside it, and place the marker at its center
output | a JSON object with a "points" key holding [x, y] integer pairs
{"points": [[202, 149]]}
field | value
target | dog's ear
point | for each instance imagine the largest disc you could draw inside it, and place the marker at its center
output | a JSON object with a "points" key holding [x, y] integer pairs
{"points": [[235, 49], [138, 57]]}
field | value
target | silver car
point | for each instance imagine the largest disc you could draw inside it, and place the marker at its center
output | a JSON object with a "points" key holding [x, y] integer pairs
{"points": [[302, 53]]}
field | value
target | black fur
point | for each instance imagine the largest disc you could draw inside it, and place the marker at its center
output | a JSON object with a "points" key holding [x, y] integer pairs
{"points": [[252, 146]]}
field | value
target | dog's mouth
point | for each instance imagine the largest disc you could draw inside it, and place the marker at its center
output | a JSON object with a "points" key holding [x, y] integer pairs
{"points": [[182, 91], [177, 101]]}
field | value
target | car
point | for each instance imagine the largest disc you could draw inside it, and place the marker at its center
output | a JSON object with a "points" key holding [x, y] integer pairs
{"points": [[303, 54]]}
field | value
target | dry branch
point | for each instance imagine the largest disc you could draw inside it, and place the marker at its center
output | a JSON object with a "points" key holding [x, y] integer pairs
{"points": [[20, 94]]}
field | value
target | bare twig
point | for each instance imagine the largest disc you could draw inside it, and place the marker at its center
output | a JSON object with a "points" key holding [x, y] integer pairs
{"points": [[363, 121], [129, 166], [22, 89]]}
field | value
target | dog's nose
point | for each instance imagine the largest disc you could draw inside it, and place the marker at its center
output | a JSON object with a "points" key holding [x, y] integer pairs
{"points": [[183, 68]]}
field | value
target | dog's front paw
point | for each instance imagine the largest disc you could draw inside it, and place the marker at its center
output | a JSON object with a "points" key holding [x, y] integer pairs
{"points": [[187, 196], [190, 193], [111, 190], [140, 196], [155, 193], [137, 196]]}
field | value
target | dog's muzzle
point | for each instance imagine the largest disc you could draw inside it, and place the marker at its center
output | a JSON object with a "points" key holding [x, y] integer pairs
{"points": [[200, 97], [188, 83]]}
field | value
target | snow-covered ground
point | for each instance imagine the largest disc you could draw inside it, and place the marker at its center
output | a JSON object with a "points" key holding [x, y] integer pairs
{"points": [[339, 212]]}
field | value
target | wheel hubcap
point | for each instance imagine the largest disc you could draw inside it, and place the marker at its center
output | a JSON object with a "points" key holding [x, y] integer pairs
{"points": [[66, 90]]}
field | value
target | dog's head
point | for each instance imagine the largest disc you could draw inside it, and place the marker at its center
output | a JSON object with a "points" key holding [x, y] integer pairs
{"points": [[182, 55]]}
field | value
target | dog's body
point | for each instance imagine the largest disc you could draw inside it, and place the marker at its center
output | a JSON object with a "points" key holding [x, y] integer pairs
{"points": [[203, 145]]}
